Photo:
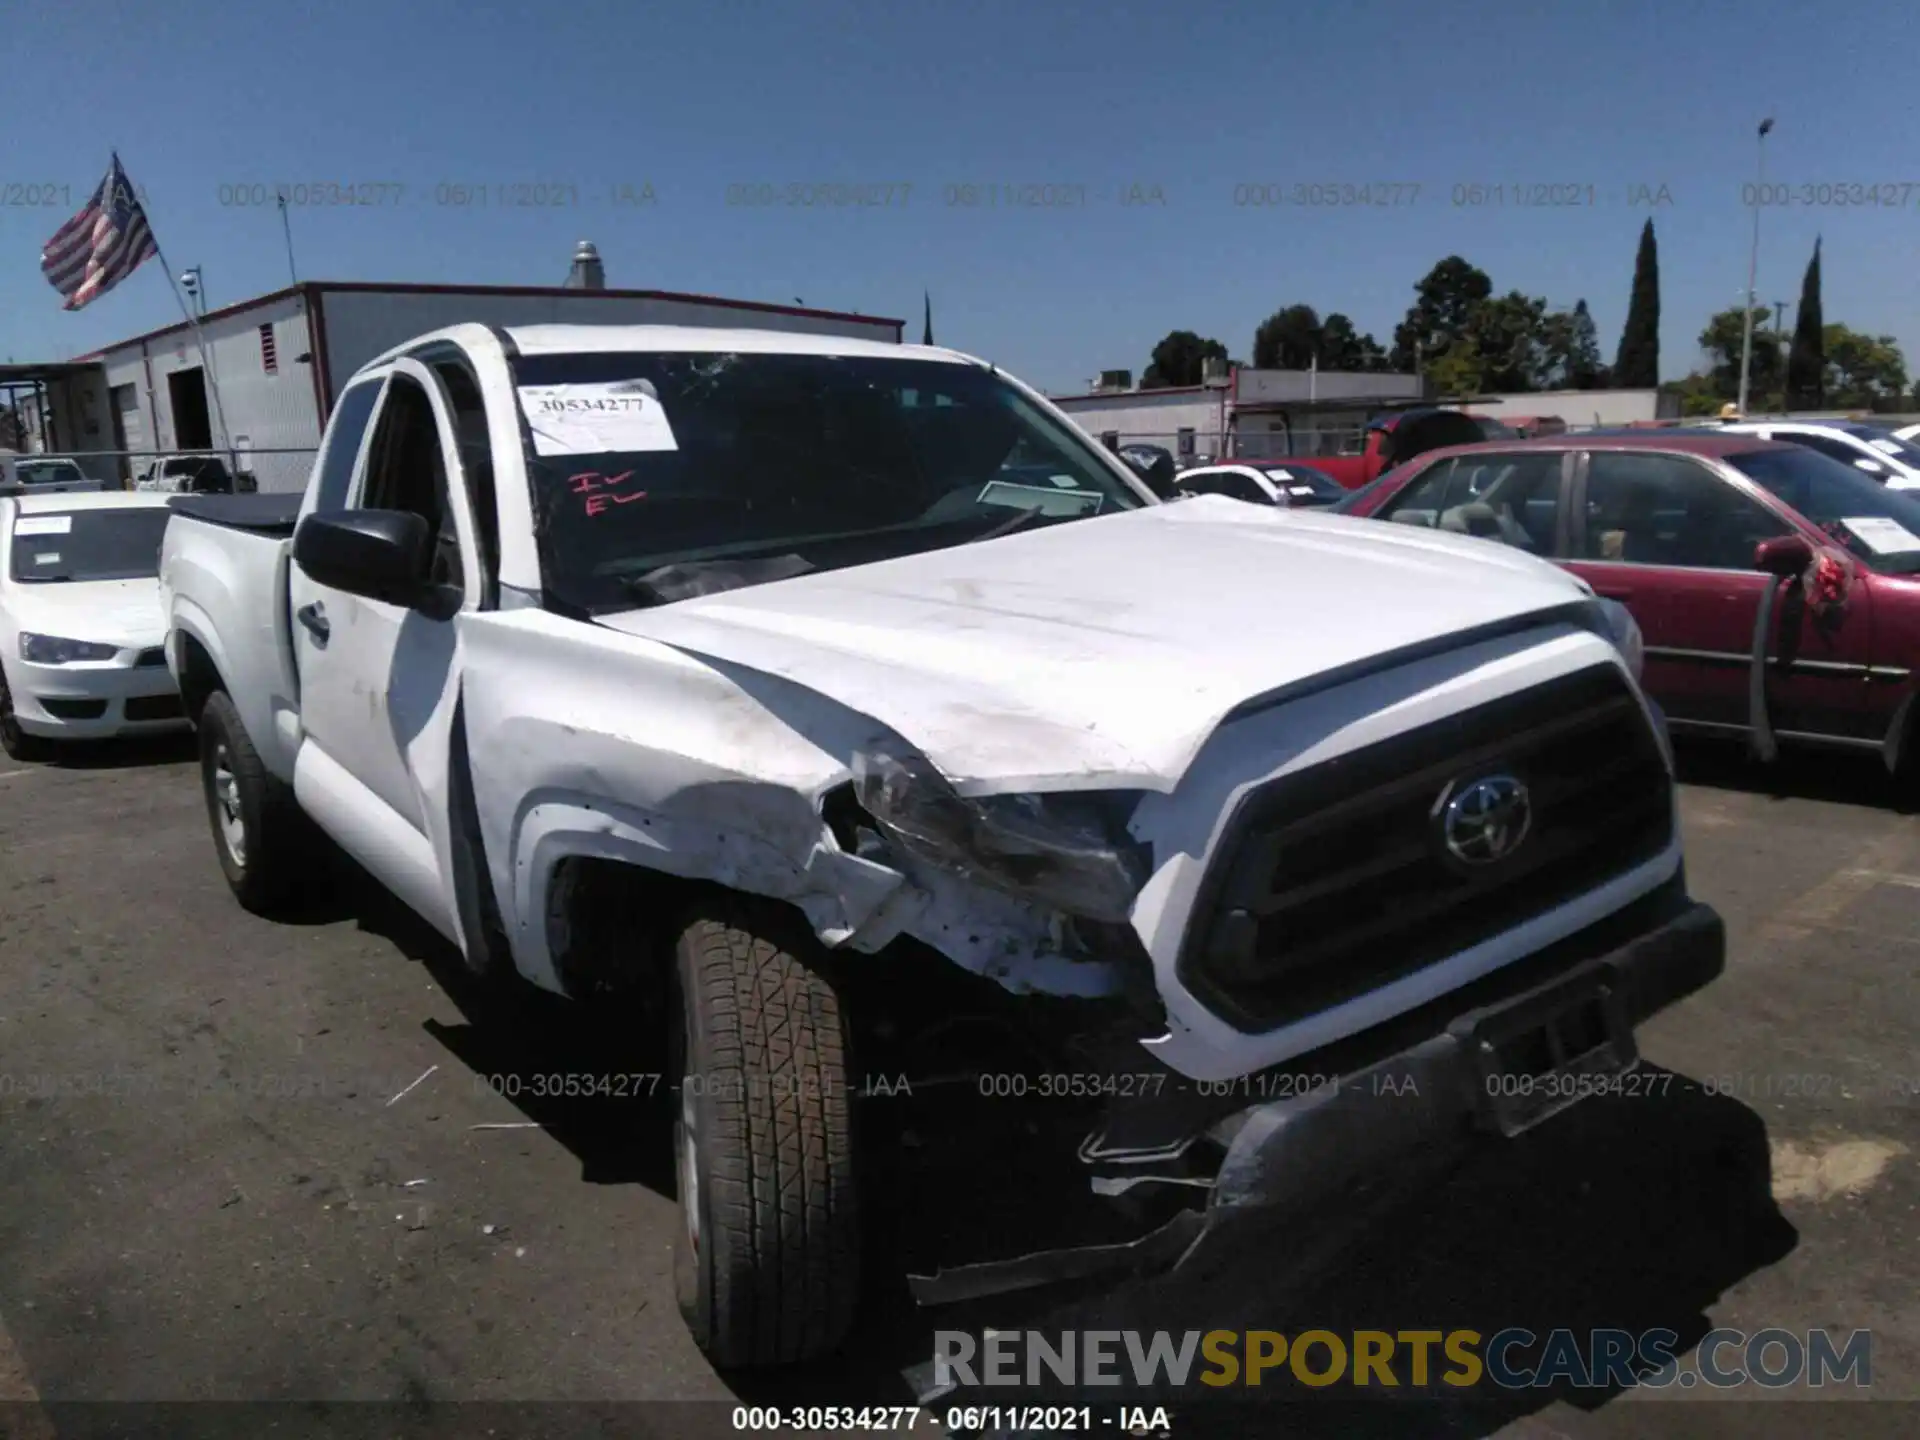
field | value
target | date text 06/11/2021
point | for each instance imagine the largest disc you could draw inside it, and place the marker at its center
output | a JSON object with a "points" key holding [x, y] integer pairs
{"points": [[1130, 1420]]}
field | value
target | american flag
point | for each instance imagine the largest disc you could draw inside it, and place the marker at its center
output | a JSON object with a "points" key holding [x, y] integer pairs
{"points": [[102, 245]]}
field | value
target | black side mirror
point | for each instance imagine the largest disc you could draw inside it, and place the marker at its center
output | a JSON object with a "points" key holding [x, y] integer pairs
{"points": [[1784, 555], [380, 554]]}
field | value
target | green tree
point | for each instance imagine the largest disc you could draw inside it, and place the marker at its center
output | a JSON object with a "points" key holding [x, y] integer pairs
{"points": [[1699, 394], [1179, 359], [1570, 352], [1507, 338], [1459, 370], [1722, 340], [1807, 360], [1344, 348], [1288, 339], [1637, 365], [1862, 370], [1444, 303]]}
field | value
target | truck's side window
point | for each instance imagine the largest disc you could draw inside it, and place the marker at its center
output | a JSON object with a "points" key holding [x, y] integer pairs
{"points": [[476, 457], [343, 445], [407, 471]]}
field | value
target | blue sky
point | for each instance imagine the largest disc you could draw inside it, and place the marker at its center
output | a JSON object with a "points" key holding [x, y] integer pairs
{"points": [[1105, 102]]}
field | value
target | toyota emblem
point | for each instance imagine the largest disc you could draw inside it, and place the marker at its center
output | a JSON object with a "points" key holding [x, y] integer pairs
{"points": [[1485, 820]]}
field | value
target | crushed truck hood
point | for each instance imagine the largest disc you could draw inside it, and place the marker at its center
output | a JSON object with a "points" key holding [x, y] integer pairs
{"points": [[1105, 651]]}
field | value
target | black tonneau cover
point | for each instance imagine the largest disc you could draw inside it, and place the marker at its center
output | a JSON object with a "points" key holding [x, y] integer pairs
{"points": [[272, 514]]}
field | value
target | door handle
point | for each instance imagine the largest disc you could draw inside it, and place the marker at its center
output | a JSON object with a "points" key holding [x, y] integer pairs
{"points": [[314, 617]]}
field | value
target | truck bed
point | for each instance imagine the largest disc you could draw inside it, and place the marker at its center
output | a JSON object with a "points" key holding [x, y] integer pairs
{"points": [[272, 514], [223, 581]]}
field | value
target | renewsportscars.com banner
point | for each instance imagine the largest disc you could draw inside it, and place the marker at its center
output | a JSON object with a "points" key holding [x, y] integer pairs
{"points": [[1446, 1360]]}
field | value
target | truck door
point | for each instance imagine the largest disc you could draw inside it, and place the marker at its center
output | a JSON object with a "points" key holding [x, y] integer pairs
{"points": [[378, 683]]}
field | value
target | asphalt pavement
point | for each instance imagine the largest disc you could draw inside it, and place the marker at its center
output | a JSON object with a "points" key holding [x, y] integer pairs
{"points": [[248, 1163]]}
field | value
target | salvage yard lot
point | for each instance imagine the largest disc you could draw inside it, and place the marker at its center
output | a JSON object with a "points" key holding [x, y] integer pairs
{"points": [[231, 1192]]}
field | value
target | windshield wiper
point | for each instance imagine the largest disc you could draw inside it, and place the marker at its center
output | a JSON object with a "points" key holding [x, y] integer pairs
{"points": [[1021, 518], [667, 583]]}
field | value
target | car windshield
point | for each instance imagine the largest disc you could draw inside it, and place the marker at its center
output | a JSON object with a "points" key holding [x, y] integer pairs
{"points": [[1302, 481], [1354, 499], [1887, 443], [661, 476], [93, 544], [1879, 526], [48, 472]]}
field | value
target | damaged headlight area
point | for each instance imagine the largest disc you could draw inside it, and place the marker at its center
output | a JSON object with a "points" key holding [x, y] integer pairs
{"points": [[1070, 851]]}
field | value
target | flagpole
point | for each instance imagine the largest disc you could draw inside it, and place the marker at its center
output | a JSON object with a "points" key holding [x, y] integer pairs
{"points": [[199, 335], [286, 228]]}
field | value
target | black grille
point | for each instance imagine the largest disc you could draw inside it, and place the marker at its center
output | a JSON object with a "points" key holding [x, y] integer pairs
{"points": [[154, 707], [74, 709], [1333, 880], [149, 659]]}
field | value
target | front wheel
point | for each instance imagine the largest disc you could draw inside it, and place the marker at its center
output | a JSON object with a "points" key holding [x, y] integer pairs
{"points": [[16, 742], [257, 830], [767, 1264]]}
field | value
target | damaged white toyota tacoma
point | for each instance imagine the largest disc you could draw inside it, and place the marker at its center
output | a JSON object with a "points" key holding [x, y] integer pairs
{"points": [[747, 671]]}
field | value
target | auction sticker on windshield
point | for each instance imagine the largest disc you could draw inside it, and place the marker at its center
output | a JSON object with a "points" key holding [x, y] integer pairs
{"points": [[43, 525], [1882, 536], [616, 417], [1049, 502]]}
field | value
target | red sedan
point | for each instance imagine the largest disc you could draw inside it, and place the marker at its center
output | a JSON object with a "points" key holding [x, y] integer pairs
{"points": [[1777, 591]]}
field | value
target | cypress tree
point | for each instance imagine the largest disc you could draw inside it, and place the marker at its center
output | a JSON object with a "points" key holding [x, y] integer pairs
{"points": [[1807, 360], [1637, 366]]}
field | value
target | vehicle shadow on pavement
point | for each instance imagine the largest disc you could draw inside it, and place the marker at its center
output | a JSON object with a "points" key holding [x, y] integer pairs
{"points": [[1628, 1213], [1836, 777], [1636, 1214]]}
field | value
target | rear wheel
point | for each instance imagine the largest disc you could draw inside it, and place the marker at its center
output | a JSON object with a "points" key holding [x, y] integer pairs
{"points": [[257, 826], [767, 1265], [15, 741]]}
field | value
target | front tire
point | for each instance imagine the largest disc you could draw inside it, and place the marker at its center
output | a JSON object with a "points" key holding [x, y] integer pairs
{"points": [[767, 1264], [16, 742], [257, 830]]}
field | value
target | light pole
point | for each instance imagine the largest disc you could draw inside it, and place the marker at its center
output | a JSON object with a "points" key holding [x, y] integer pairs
{"points": [[1753, 267], [190, 282]]}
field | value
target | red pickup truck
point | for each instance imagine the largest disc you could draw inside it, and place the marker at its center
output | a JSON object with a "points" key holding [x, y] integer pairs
{"points": [[1396, 438]]}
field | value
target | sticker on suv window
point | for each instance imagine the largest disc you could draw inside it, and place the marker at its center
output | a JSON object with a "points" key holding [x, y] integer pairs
{"points": [[1880, 535], [43, 525], [1032, 497], [613, 418]]}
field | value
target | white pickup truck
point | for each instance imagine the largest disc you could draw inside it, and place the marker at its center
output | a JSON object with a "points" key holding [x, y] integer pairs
{"points": [[747, 670]]}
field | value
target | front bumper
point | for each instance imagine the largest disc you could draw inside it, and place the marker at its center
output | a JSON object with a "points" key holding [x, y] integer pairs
{"points": [[1387, 1110], [94, 700], [1476, 1076]]}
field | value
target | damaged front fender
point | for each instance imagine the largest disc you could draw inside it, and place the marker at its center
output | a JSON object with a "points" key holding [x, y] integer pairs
{"points": [[588, 743]]}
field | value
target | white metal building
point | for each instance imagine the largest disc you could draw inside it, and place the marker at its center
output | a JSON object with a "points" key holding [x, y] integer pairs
{"points": [[1580, 409], [1254, 412], [279, 361]]}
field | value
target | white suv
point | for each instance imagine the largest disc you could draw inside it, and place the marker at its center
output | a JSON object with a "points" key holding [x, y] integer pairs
{"points": [[1880, 453]]}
